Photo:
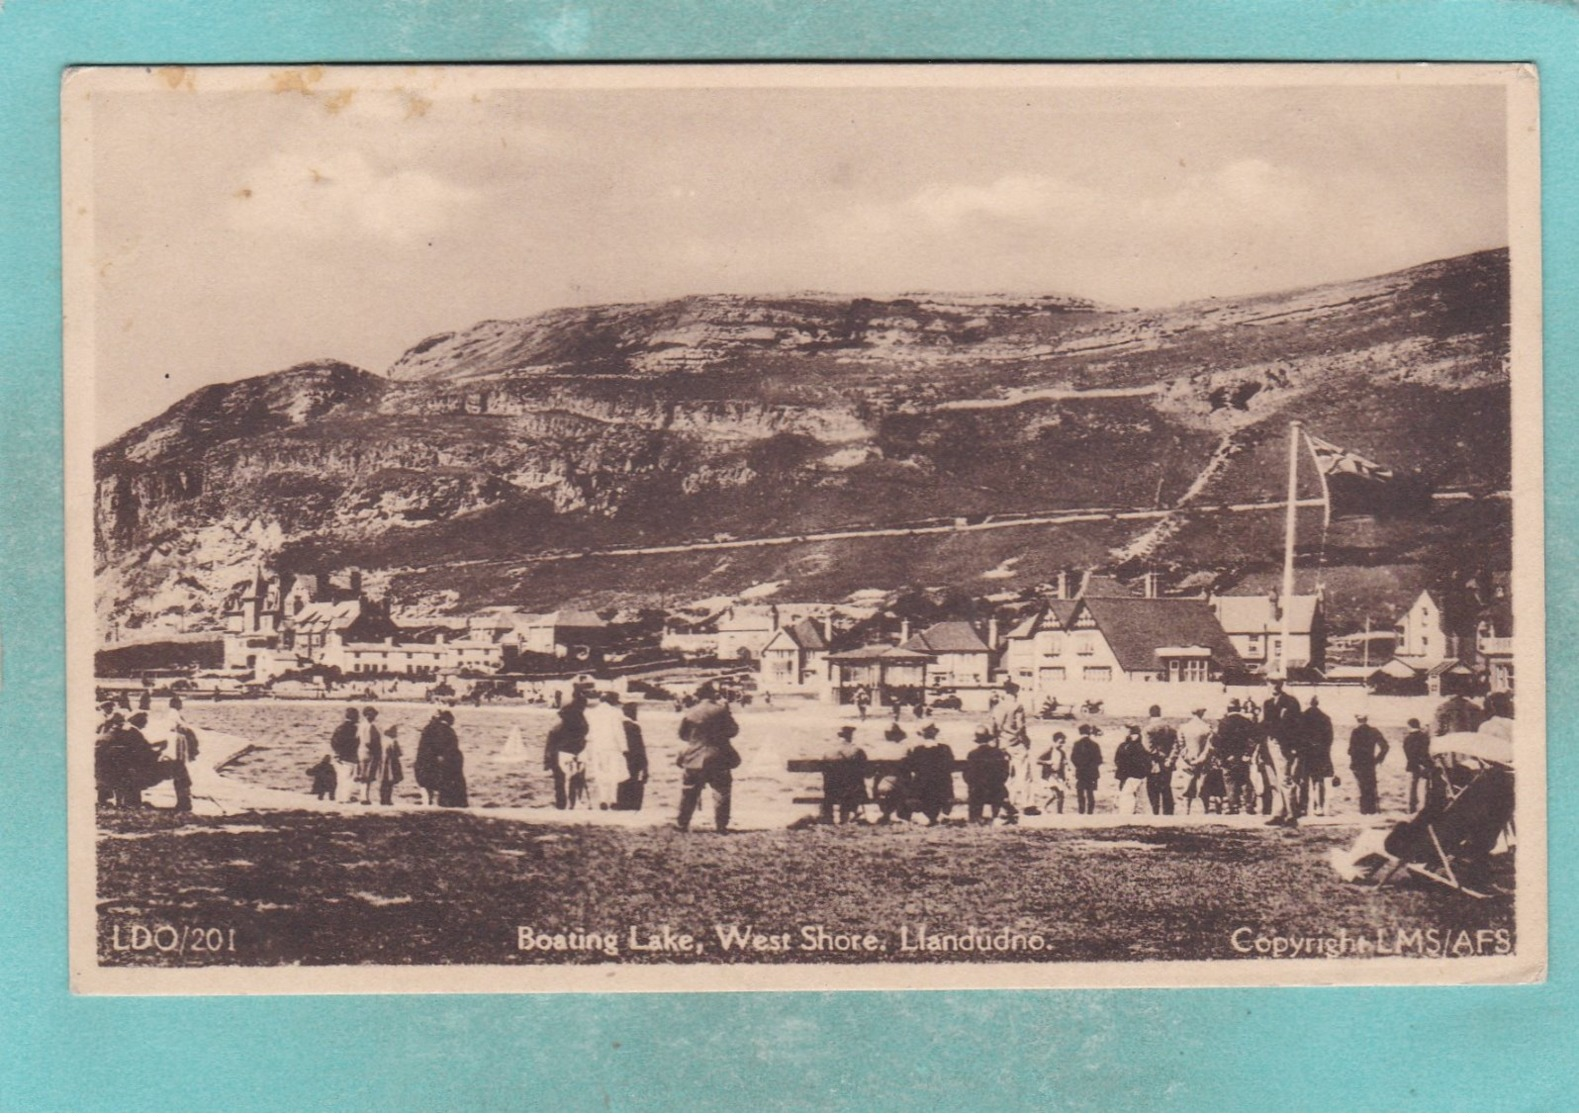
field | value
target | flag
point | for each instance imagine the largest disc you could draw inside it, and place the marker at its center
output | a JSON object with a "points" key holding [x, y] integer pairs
{"points": [[1356, 486]]}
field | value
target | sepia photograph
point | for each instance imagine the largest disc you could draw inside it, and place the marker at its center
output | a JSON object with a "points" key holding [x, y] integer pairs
{"points": [[733, 527]]}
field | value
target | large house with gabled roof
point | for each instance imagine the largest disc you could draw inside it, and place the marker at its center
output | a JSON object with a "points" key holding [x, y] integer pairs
{"points": [[960, 657], [1079, 648], [795, 657]]}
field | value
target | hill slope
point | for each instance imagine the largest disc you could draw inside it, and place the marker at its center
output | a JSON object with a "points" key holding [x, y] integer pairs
{"points": [[449, 477]]}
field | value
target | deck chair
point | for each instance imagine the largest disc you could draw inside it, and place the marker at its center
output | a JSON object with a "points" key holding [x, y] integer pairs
{"points": [[1454, 834]]}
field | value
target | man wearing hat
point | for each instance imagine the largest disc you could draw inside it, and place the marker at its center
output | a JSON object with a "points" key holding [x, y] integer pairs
{"points": [[1417, 762], [1318, 756], [930, 766], [1086, 757], [1282, 722], [1132, 766], [709, 759], [1367, 749], [134, 762], [1237, 743], [987, 780], [844, 778], [1162, 742], [342, 746]]}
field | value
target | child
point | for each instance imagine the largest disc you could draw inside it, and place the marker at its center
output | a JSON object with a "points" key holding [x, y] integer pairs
{"points": [[575, 770], [325, 782], [1052, 769]]}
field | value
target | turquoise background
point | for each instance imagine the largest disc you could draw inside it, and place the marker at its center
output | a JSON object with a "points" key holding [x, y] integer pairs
{"points": [[1218, 1049]]}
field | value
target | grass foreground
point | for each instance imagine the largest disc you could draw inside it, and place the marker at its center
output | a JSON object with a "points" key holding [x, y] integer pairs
{"points": [[311, 888]]}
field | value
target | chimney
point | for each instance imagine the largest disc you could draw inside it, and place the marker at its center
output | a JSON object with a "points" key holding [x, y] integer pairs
{"points": [[773, 617], [356, 581], [1063, 585], [1151, 583], [827, 629], [992, 632], [904, 630]]}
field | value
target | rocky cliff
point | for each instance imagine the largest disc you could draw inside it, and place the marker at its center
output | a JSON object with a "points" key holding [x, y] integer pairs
{"points": [[483, 461]]}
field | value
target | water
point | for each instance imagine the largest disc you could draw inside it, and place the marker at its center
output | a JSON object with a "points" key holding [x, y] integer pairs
{"points": [[503, 749]]}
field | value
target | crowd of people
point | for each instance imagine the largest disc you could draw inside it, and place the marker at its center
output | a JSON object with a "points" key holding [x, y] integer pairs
{"points": [[1273, 758], [129, 757]]}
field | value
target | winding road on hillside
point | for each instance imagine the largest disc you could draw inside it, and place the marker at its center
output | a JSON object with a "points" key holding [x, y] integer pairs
{"points": [[958, 525]]}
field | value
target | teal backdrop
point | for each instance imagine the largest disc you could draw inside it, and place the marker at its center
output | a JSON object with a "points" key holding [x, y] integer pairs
{"points": [[1436, 1048]]}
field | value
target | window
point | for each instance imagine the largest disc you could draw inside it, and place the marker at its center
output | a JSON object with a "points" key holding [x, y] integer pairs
{"points": [[1085, 646], [1098, 674], [1187, 670]]}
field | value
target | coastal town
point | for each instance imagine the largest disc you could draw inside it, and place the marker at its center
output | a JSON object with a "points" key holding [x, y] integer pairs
{"points": [[1092, 640]]}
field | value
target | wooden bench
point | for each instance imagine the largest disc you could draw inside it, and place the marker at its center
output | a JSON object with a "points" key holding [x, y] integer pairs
{"points": [[821, 765]]}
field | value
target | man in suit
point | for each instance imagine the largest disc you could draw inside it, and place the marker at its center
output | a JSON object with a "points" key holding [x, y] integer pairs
{"points": [[1367, 749], [844, 779], [1238, 742], [708, 729], [1282, 722], [930, 767]]}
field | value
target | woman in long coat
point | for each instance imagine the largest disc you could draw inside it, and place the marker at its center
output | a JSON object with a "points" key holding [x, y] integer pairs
{"points": [[431, 746], [604, 755], [452, 771]]}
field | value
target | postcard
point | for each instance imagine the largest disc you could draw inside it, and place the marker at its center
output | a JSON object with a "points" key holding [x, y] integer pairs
{"points": [[735, 527]]}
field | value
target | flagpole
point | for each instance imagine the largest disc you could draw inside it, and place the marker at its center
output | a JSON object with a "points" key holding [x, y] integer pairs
{"points": [[1288, 544]]}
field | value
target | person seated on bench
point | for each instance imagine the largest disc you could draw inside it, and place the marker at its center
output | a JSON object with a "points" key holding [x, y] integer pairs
{"points": [[844, 779], [987, 776], [930, 768]]}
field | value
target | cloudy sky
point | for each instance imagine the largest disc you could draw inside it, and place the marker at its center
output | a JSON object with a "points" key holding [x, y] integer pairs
{"points": [[240, 230]]}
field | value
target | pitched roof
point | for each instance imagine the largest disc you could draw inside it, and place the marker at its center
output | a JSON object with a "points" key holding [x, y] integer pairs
{"points": [[564, 618], [947, 637], [879, 651], [1421, 665], [1056, 614], [1135, 627], [803, 634], [806, 634], [326, 616]]}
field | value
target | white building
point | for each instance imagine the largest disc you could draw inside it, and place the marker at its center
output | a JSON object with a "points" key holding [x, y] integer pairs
{"points": [[1422, 630], [795, 658], [1254, 625]]}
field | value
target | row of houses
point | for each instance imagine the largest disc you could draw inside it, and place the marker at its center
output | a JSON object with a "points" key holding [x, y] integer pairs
{"points": [[1105, 636], [298, 622], [1102, 636]]}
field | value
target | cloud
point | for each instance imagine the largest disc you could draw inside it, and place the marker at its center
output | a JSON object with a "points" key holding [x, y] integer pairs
{"points": [[1156, 237], [346, 195], [1242, 192]]}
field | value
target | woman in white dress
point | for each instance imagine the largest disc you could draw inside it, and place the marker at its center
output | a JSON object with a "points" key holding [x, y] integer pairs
{"points": [[604, 755]]}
